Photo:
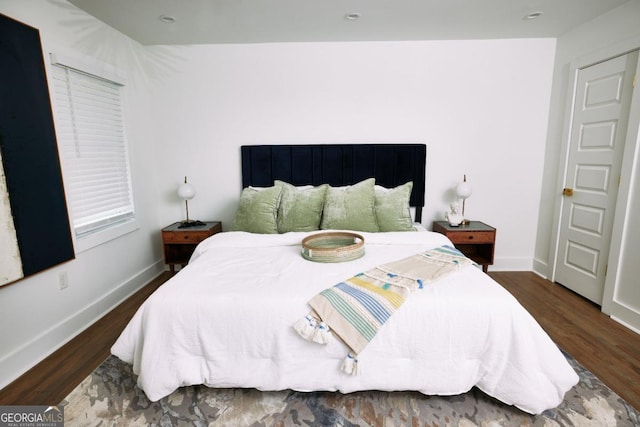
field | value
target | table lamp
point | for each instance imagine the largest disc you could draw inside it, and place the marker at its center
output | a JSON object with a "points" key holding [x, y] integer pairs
{"points": [[463, 190], [187, 192]]}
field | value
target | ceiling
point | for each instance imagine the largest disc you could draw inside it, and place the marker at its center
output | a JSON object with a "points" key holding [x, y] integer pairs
{"points": [[259, 21]]}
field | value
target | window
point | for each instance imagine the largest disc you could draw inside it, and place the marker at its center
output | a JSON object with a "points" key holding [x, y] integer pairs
{"points": [[93, 149]]}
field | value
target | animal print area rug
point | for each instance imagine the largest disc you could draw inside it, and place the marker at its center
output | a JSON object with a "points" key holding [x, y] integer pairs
{"points": [[110, 397]]}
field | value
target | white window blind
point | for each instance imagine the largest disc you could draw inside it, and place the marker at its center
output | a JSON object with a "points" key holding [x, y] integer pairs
{"points": [[93, 149]]}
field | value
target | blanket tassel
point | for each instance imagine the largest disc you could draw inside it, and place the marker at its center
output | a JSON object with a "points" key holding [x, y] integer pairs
{"points": [[311, 329], [321, 334], [305, 327], [350, 364]]}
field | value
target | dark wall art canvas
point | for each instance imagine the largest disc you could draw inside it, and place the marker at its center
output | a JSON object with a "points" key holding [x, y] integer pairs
{"points": [[34, 224]]}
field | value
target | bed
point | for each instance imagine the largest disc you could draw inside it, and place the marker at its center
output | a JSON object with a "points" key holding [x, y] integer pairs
{"points": [[227, 319]]}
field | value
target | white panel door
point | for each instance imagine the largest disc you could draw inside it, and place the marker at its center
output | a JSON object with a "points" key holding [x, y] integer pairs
{"points": [[599, 126]]}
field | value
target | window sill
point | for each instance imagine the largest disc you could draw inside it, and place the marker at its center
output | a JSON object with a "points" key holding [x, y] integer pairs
{"points": [[90, 241]]}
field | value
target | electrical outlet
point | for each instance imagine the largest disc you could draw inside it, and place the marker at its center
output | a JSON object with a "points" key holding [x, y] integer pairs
{"points": [[63, 280]]}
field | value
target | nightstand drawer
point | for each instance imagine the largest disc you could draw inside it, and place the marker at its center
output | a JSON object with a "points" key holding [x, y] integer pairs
{"points": [[471, 236], [184, 236]]}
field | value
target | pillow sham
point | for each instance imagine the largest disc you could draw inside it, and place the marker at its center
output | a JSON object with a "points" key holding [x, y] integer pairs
{"points": [[392, 208], [258, 210], [300, 207], [350, 208]]}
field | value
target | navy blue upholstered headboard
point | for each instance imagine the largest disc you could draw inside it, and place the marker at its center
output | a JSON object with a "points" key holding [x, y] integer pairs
{"points": [[337, 164]]}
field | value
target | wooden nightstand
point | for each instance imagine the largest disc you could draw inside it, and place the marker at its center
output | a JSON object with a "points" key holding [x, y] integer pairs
{"points": [[179, 243], [475, 239]]}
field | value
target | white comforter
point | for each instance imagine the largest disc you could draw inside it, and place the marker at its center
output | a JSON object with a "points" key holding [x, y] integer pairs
{"points": [[226, 321]]}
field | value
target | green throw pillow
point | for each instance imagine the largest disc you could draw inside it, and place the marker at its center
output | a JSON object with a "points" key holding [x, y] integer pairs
{"points": [[258, 210], [392, 208], [300, 207], [350, 208]]}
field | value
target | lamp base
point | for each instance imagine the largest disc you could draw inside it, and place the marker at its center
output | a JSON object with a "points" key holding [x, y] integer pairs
{"points": [[191, 223]]}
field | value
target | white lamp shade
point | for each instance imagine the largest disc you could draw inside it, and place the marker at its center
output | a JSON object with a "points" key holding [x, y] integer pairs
{"points": [[463, 190], [186, 191]]}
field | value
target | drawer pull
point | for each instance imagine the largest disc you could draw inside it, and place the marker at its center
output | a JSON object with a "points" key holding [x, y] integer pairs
{"points": [[471, 237]]}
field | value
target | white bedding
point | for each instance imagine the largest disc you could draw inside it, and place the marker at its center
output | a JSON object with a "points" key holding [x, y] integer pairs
{"points": [[226, 320]]}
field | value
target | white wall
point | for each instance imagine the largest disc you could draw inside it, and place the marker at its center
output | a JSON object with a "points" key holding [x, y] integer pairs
{"points": [[36, 317], [613, 33], [480, 106]]}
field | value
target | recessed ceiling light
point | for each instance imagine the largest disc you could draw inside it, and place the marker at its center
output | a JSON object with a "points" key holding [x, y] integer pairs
{"points": [[167, 19], [352, 16], [533, 15]]}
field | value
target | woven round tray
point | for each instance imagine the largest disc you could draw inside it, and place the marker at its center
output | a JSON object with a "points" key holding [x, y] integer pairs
{"points": [[333, 246]]}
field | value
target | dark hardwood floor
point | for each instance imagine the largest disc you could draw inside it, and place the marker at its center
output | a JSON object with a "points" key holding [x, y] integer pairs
{"points": [[609, 350]]}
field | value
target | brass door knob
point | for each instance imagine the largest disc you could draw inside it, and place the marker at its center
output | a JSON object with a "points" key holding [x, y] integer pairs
{"points": [[567, 192]]}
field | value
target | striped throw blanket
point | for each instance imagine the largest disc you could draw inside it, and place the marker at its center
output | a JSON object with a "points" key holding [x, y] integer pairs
{"points": [[356, 309]]}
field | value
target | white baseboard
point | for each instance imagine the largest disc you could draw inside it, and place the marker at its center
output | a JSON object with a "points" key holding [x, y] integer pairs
{"points": [[626, 324], [541, 268], [511, 264], [30, 354]]}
